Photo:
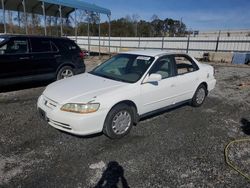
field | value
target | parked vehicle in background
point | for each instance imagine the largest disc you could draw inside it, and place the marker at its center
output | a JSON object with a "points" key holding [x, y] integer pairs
{"points": [[29, 58], [116, 94]]}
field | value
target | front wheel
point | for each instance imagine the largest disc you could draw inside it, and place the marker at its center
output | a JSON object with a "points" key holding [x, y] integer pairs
{"points": [[199, 96], [119, 121], [65, 72]]}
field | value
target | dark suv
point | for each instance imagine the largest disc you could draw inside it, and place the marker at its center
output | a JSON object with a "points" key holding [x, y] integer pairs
{"points": [[30, 58]]}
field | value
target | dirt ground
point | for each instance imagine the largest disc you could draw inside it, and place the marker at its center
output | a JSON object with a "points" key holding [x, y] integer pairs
{"points": [[183, 147]]}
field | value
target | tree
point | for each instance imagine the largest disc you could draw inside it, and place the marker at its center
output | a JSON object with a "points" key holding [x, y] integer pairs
{"points": [[10, 21], [128, 26], [157, 26], [145, 28], [135, 19]]}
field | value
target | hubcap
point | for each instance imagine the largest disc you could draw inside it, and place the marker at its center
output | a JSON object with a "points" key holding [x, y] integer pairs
{"points": [[121, 122], [66, 73], [200, 96]]}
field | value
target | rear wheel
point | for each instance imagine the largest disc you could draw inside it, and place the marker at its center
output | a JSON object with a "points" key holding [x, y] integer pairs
{"points": [[119, 121], [199, 96], [65, 72]]}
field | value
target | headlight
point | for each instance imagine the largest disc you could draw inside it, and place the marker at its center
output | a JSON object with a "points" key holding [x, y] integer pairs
{"points": [[80, 108]]}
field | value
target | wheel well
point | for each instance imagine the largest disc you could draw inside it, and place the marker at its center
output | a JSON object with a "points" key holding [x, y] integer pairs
{"points": [[131, 104], [64, 65], [206, 86]]}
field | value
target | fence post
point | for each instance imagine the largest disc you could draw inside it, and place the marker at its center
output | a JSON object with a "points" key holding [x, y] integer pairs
{"points": [[217, 42], [4, 21], [109, 18], [139, 42], [99, 33], [188, 40], [88, 33], [162, 44], [120, 43]]}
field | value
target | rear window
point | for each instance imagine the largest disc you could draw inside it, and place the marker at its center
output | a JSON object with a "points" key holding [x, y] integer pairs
{"points": [[70, 45], [184, 65]]}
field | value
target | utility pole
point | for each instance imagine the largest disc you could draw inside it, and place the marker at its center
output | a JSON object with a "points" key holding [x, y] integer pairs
{"points": [[180, 26]]}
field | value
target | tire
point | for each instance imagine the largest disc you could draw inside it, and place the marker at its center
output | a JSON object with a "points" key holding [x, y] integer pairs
{"points": [[119, 121], [199, 96], [65, 72]]}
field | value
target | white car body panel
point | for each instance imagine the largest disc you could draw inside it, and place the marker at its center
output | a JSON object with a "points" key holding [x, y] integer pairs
{"points": [[147, 97], [80, 88], [164, 95]]}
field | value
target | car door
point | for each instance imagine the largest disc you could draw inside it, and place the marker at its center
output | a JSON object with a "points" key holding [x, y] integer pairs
{"points": [[45, 56], [162, 93], [15, 58], [187, 78]]}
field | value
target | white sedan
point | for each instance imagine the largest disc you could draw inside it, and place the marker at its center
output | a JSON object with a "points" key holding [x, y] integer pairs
{"points": [[116, 94]]}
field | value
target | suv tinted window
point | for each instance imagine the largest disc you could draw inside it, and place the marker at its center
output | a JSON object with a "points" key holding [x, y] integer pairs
{"points": [[54, 47], [15, 46], [184, 65], [70, 45], [40, 45]]}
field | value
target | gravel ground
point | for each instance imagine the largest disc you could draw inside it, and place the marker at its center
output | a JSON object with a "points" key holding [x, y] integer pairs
{"points": [[183, 147]]}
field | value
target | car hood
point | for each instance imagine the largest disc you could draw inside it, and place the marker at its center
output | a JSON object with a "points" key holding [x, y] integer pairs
{"points": [[81, 88]]}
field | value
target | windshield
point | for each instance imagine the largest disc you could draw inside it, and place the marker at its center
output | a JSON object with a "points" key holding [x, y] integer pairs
{"points": [[124, 67]]}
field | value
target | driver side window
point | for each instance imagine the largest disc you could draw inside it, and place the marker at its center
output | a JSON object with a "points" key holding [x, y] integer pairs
{"points": [[164, 67], [15, 46]]}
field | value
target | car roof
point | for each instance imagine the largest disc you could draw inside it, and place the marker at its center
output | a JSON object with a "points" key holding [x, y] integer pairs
{"points": [[152, 53], [31, 36]]}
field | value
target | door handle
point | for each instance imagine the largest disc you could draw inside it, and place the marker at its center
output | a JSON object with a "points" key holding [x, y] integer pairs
{"points": [[57, 55], [24, 58]]}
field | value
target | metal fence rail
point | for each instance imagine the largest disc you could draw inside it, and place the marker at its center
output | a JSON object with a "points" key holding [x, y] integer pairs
{"points": [[196, 46]]}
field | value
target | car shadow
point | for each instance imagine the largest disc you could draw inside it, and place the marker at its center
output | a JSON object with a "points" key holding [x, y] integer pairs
{"points": [[85, 137], [113, 177], [22, 86], [245, 126]]}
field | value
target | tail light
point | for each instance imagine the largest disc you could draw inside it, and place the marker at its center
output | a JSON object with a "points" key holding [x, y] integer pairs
{"points": [[82, 55]]}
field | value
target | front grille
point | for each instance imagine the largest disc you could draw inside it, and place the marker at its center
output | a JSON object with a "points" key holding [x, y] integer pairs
{"points": [[59, 124]]}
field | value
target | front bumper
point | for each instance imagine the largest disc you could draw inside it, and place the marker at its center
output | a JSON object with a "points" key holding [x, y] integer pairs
{"points": [[78, 124]]}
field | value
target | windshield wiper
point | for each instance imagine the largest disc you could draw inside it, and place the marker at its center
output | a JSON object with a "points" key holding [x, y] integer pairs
{"points": [[108, 77], [119, 79]]}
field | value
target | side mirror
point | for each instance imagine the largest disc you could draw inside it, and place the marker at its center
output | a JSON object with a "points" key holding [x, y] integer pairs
{"points": [[152, 78]]}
